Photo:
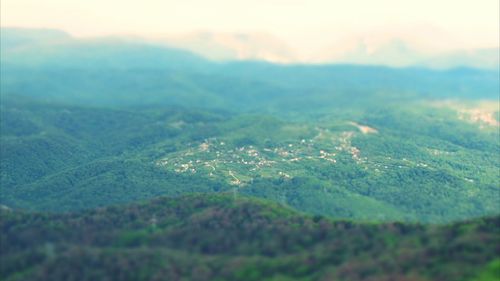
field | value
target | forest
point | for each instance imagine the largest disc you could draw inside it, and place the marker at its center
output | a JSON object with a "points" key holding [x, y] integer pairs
{"points": [[218, 237], [123, 160], [420, 163]]}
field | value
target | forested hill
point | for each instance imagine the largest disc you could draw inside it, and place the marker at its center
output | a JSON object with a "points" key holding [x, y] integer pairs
{"points": [[410, 162], [219, 237], [52, 66]]}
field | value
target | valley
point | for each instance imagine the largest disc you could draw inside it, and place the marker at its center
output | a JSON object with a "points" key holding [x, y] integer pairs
{"points": [[390, 169], [122, 159]]}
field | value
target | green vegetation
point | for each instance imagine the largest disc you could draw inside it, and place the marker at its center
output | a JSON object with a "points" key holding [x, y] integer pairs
{"points": [[246, 171], [421, 163], [218, 238]]}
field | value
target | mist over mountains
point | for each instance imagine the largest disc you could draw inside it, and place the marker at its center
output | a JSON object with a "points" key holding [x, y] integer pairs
{"points": [[223, 47], [399, 53], [129, 111], [253, 141], [52, 66]]}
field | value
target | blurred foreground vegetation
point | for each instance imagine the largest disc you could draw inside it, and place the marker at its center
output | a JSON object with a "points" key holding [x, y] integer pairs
{"points": [[218, 237]]}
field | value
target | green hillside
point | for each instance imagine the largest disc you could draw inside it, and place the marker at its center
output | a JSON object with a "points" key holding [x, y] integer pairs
{"points": [[220, 238], [121, 159], [414, 162]]}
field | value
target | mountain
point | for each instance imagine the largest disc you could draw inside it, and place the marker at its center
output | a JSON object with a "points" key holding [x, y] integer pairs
{"points": [[411, 161], [52, 48], [221, 238], [229, 47], [213, 46], [118, 72], [399, 53], [233, 46], [479, 58], [394, 53], [89, 123], [123, 159], [15, 38]]}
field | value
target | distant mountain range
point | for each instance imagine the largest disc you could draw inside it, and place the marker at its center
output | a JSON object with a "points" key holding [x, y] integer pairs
{"points": [[55, 66], [393, 52], [201, 158], [397, 52], [229, 46]]}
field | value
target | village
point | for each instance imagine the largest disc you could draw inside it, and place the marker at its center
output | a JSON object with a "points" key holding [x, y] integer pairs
{"points": [[240, 165]]}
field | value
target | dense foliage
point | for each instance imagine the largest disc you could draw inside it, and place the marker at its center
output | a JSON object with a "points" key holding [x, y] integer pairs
{"points": [[247, 171], [220, 238], [421, 164]]}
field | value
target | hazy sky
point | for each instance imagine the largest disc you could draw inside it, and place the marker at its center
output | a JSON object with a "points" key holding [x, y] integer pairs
{"points": [[307, 25]]}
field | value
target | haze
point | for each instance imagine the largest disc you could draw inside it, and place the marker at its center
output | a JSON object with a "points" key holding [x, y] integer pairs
{"points": [[307, 27]]}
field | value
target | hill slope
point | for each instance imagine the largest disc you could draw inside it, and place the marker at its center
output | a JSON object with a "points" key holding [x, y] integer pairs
{"points": [[219, 238], [51, 66], [416, 163], [89, 123]]}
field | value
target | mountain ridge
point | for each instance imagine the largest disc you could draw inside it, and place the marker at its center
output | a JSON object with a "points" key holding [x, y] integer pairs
{"points": [[227, 47]]}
